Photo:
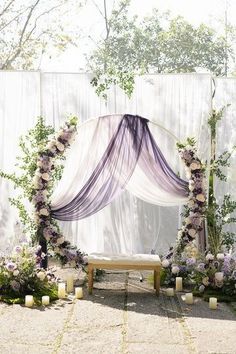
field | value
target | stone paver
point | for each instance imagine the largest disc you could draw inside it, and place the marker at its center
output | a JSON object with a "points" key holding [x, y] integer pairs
{"points": [[123, 316]]}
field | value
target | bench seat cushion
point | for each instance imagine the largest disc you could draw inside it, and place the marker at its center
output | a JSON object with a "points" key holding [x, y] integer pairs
{"points": [[135, 259]]}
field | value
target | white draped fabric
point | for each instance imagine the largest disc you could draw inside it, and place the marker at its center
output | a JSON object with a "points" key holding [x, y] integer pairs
{"points": [[179, 103], [88, 149]]}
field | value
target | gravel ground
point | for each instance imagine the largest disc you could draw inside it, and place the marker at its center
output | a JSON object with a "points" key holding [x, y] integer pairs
{"points": [[122, 316]]}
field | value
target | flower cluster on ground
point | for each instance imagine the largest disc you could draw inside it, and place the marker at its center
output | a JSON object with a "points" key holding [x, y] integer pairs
{"points": [[21, 274], [205, 274], [46, 226]]}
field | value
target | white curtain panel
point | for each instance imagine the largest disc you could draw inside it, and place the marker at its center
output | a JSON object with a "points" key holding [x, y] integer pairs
{"points": [[179, 103], [225, 94], [19, 108]]}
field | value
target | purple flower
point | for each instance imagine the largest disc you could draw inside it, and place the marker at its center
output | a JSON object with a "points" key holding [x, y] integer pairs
{"points": [[187, 156], [18, 249], [11, 266], [201, 267], [190, 261]]}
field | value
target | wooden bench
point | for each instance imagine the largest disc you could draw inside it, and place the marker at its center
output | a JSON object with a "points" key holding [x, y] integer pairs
{"points": [[133, 262]]}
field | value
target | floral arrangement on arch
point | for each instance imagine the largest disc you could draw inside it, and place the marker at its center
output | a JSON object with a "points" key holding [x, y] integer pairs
{"points": [[196, 207], [21, 274], [46, 226]]}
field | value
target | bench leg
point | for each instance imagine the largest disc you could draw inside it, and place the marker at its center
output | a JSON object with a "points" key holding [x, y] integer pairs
{"points": [[90, 279], [157, 281]]}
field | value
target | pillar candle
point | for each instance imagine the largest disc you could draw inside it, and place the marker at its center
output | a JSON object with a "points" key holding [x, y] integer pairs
{"points": [[219, 276], [189, 298], [61, 290], [45, 300], [78, 293], [213, 303], [179, 284], [29, 300], [170, 292], [70, 283]]}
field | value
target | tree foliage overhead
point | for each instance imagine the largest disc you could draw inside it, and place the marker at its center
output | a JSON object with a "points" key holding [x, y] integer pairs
{"points": [[29, 28], [158, 44]]}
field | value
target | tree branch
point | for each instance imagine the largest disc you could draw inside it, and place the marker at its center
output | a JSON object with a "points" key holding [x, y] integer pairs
{"points": [[7, 7]]}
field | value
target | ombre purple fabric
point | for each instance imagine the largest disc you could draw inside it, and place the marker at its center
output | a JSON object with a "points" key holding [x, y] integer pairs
{"points": [[132, 143]]}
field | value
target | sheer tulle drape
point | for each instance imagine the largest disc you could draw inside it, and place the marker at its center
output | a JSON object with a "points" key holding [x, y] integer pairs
{"points": [[131, 143]]}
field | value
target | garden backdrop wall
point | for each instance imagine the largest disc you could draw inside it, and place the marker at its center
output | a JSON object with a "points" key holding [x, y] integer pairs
{"points": [[180, 103]]}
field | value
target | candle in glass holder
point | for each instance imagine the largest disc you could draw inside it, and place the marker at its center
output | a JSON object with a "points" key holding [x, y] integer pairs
{"points": [[179, 284], [45, 300], [189, 298], [61, 290], [78, 293], [70, 283], [213, 303], [170, 292], [29, 300]]}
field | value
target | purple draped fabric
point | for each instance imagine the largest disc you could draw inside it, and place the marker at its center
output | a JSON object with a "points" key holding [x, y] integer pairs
{"points": [[132, 143]]}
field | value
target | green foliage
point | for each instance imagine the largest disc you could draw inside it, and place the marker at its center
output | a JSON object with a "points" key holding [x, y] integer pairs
{"points": [[158, 44], [218, 215]]}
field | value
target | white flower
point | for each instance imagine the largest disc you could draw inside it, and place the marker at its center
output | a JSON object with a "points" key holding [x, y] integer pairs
{"points": [[165, 263], [60, 240], [51, 144], [220, 256], [41, 275], [44, 212], [191, 188], [45, 192], [200, 197], [205, 281], [180, 233], [175, 269], [36, 218], [187, 221], [219, 276], [39, 163], [16, 272], [209, 257], [60, 146], [190, 203], [45, 176], [192, 232], [195, 166]]}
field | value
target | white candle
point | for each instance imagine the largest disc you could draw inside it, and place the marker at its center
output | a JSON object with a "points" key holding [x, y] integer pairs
{"points": [[45, 300], [78, 293], [170, 292], [61, 290], [70, 284], [29, 300], [179, 284], [219, 276], [189, 298], [213, 303]]}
